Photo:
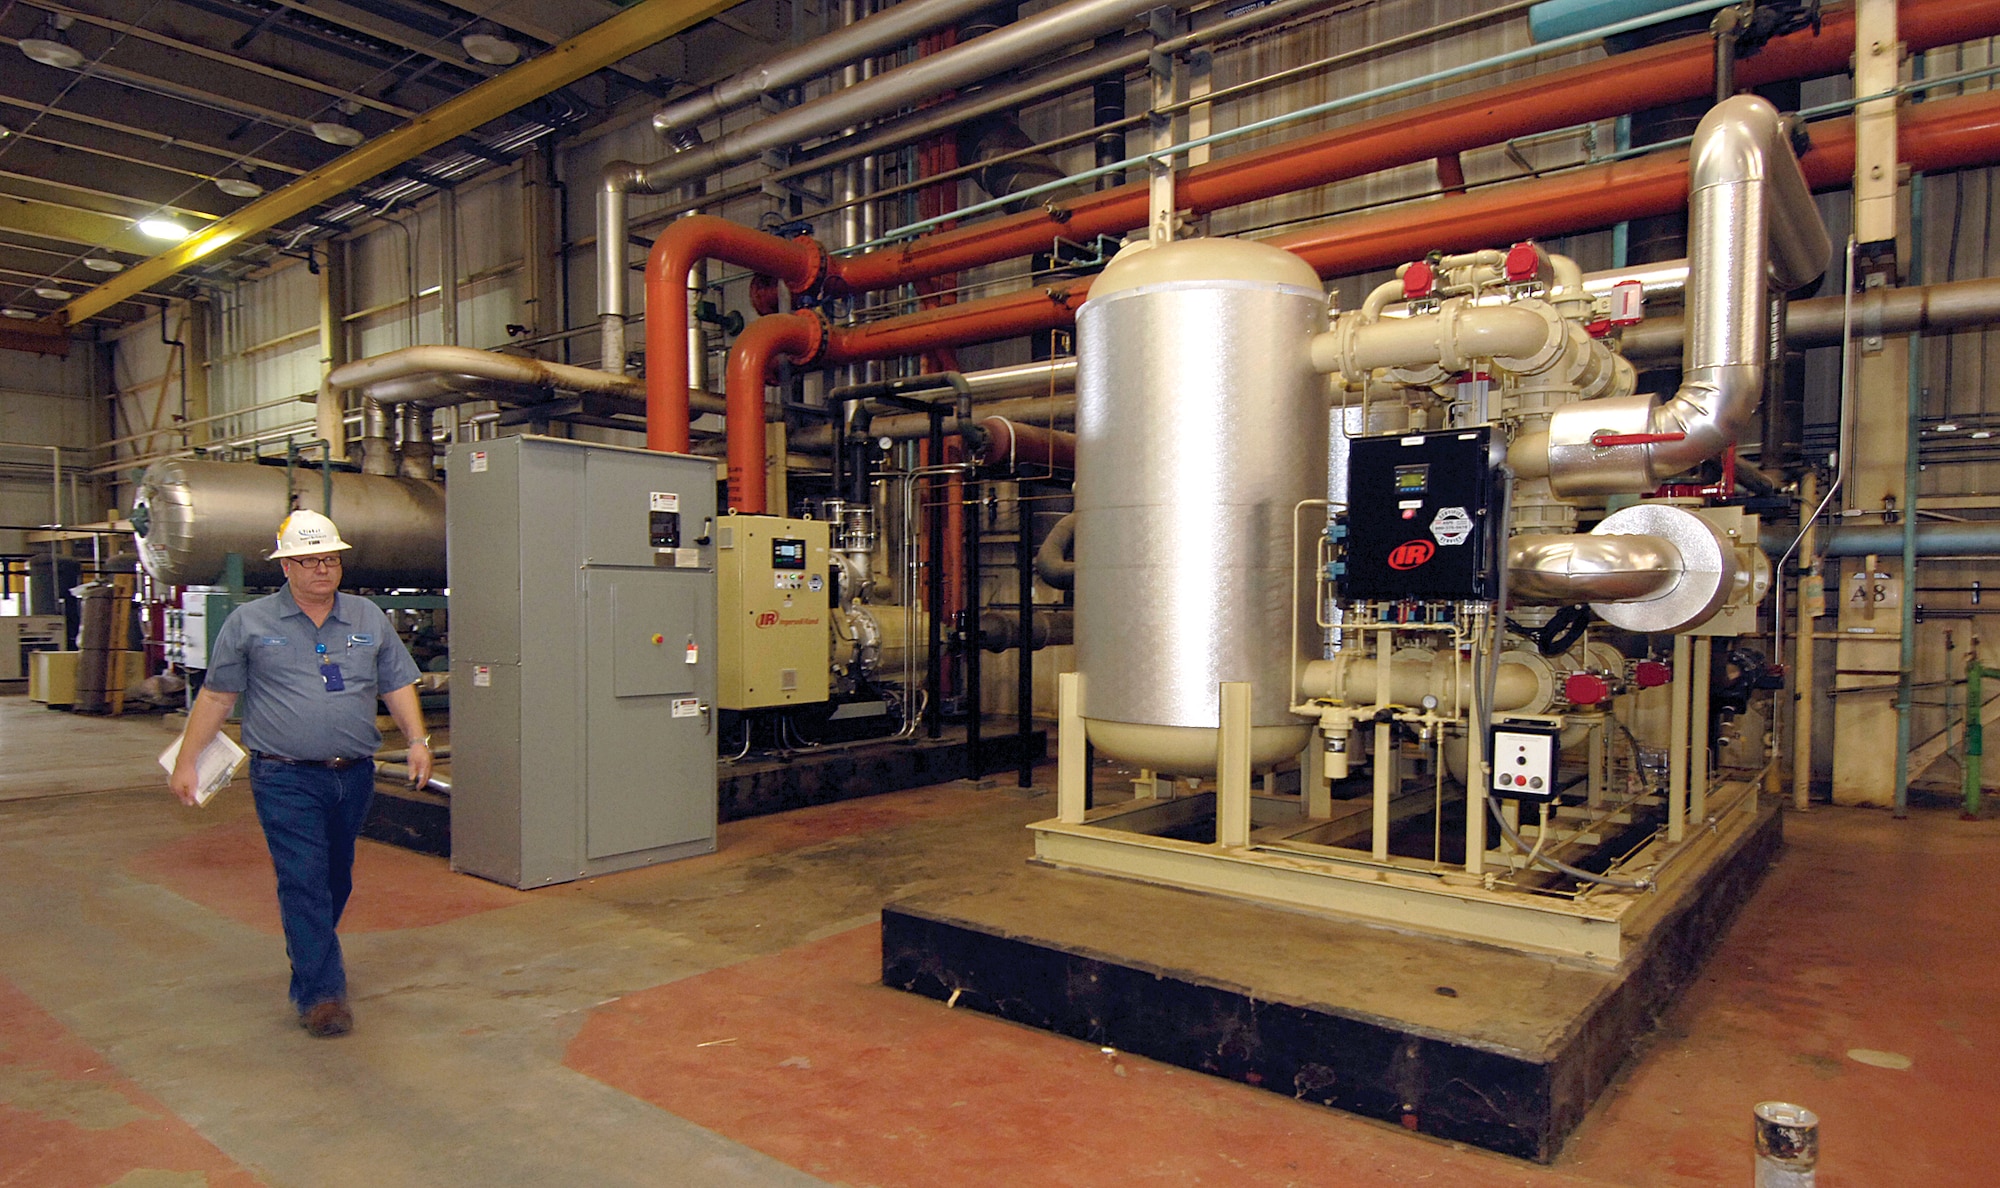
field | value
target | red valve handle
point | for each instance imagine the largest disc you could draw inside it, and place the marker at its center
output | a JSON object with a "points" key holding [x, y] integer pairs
{"points": [[1606, 440]]}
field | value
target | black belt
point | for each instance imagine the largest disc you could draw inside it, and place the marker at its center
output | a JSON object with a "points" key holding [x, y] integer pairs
{"points": [[329, 764]]}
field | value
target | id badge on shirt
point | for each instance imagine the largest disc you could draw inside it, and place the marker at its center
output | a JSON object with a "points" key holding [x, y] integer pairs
{"points": [[329, 671]]}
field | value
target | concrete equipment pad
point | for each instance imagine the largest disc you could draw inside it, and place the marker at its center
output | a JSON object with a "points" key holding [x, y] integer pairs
{"points": [[1498, 1049]]}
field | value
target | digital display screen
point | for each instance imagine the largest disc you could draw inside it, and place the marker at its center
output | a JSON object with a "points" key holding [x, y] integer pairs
{"points": [[1413, 480], [787, 553]]}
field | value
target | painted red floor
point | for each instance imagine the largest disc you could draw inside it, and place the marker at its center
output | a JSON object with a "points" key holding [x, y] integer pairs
{"points": [[1866, 939], [69, 1120], [226, 869]]}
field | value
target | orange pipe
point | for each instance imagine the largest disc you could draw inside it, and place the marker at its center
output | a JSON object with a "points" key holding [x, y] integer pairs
{"points": [[799, 263], [1946, 134], [795, 336], [1681, 69]]}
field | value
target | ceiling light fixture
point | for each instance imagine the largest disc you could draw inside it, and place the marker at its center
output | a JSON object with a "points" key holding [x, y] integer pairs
{"points": [[53, 294], [23, 315], [158, 228], [1981, 434], [1947, 427], [50, 47], [494, 51], [337, 132], [100, 264], [238, 185]]}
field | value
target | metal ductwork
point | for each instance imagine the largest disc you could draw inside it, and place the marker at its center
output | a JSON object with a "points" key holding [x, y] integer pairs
{"points": [[1651, 567], [1751, 224]]}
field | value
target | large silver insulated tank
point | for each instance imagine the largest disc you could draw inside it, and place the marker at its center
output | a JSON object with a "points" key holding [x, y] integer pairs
{"points": [[191, 514], [1200, 427]]}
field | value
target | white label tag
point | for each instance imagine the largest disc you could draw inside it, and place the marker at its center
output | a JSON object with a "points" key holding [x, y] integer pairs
{"points": [[687, 558], [687, 707], [482, 676], [478, 461], [1451, 526], [666, 501], [693, 652]]}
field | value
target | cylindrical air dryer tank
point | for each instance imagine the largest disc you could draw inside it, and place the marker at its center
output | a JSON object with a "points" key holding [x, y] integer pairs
{"points": [[1201, 425], [190, 515]]}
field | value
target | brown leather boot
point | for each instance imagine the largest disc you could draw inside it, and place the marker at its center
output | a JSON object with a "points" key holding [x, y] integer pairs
{"points": [[324, 1020]]}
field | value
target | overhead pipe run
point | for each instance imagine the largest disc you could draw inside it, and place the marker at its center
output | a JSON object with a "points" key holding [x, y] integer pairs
{"points": [[1675, 70], [1947, 134], [1033, 38], [1933, 540], [871, 35], [1751, 223], [1948, 305]]}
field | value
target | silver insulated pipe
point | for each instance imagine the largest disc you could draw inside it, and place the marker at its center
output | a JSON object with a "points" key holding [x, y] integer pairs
{"points": [[1751, 223]]}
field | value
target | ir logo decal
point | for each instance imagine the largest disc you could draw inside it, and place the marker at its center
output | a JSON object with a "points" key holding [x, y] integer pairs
{"points": [[1411, 553]]}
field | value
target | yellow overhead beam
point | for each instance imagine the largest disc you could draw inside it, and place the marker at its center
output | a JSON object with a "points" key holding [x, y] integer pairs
{"points": [[639, 26]]}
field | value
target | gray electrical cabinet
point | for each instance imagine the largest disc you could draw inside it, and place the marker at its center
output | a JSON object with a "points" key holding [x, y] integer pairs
{"points": [[582, 658]]}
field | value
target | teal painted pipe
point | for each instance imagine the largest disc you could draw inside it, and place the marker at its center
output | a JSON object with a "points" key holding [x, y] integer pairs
{"points": [[1566, 18]]}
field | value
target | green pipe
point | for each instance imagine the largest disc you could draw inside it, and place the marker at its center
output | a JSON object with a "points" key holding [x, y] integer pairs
{"points": [[1975, 728]]}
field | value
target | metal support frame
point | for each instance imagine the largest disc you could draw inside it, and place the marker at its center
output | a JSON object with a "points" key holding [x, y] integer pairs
{"points": [[1259, 854], [1677, 742]]}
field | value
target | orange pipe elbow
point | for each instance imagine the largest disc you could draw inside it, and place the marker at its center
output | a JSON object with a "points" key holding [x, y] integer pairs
{"points": [[795, 336], [800, 264]]}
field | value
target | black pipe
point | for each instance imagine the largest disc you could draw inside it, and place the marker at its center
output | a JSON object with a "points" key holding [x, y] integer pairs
{"points": [[934, 677], [968, 617], [1024, 674]]}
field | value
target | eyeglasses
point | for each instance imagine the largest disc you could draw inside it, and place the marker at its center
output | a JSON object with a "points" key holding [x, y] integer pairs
{"points": [[318, 564]]}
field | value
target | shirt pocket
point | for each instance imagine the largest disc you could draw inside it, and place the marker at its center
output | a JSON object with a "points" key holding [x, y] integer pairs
{"points": [[358, 662]]}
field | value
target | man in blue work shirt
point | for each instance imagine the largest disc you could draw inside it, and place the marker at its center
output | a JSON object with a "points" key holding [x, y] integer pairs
{"points": [[308, 663]]}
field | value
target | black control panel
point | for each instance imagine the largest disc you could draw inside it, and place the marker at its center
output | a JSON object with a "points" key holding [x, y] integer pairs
{"points": [[1419, 516], [787, 553]]}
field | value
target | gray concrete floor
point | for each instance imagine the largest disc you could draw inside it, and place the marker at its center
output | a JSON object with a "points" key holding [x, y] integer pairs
{"points": [[454, 1074]]}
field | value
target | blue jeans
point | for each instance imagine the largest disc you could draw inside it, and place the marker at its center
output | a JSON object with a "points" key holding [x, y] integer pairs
{"points": [[311, 816]]}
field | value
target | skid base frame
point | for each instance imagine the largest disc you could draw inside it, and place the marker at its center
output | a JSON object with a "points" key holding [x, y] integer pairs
{"points": [[1504, 1050]]}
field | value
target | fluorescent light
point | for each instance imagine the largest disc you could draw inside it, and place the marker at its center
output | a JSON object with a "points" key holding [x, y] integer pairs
{"points": [[24, 315], [60, 54], [1981, 434], [163, 229], [1947, 427], [494, 51], [100, 264], [335, 132], [53, 294]]}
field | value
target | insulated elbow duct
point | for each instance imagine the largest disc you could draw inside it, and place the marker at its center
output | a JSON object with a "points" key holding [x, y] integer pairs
{"points": [[1053, 563], [1652, 567], [1751, 223]]}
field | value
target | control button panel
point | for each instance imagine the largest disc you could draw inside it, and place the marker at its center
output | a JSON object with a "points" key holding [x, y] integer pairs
{"points": [[1524, 761]]}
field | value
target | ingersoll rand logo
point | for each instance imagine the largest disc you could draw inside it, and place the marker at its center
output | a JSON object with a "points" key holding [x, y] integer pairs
{"points": [[767, 619], [1411, 553]]}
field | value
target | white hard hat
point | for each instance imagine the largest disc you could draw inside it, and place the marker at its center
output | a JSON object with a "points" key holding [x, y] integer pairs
{"points": [[307, 532]]}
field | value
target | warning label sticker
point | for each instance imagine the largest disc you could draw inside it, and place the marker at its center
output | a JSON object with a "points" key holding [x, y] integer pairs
{"points": [[1451, 526], [687, 707]]}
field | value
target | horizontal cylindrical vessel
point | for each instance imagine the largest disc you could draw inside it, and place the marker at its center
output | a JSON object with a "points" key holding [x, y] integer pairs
{"points": [[190, 515], [1201, 426]]}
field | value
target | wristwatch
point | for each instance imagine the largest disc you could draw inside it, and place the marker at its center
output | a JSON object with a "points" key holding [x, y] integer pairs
{"points": [[424, 742]]}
